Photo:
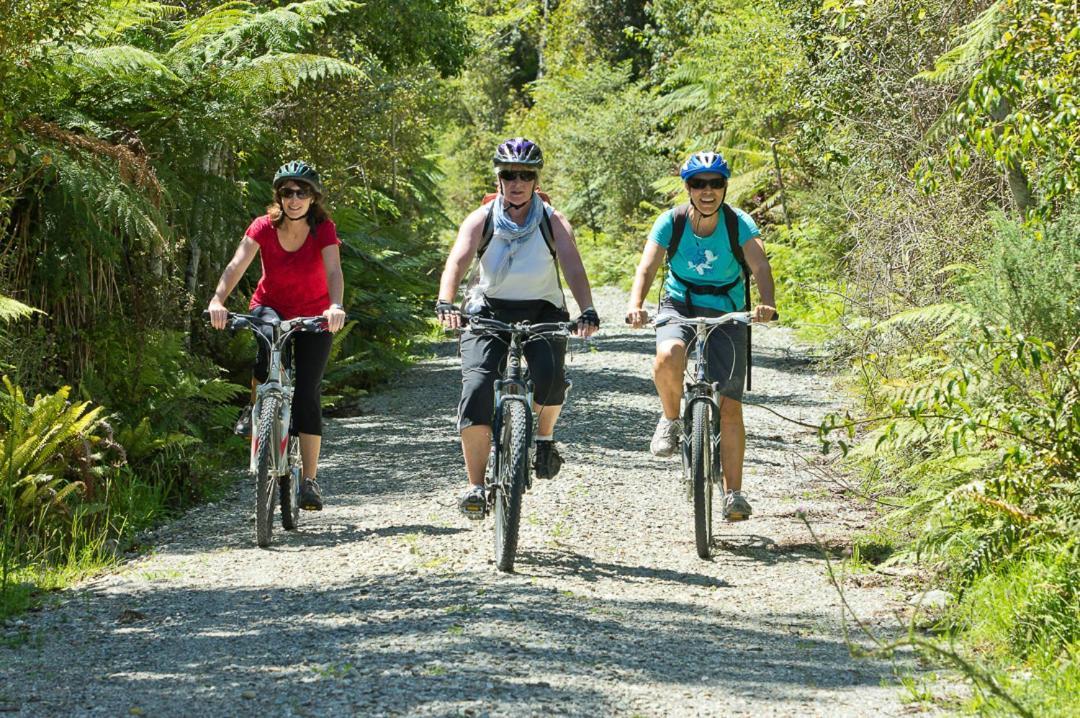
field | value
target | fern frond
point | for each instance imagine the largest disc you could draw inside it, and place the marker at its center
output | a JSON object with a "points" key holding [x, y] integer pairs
{"points": [[273, 74], [95, 64], [227, 29], [116, 17], [11, 309], [946, 317], [978, 37]]}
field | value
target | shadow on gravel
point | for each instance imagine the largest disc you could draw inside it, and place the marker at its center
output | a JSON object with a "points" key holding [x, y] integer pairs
{"points": [[643, 344], [762, 549], [435, 644], [556, 562]]}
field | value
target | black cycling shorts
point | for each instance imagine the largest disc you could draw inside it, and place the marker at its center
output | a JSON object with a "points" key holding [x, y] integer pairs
{"points": [[483, 357]]}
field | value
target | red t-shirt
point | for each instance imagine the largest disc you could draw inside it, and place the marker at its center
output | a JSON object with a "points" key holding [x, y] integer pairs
{"points": [[293, 283]]}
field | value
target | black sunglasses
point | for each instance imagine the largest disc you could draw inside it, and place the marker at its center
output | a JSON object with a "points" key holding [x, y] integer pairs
{"points": [[299, 193], [698, 183], [523, 175]]}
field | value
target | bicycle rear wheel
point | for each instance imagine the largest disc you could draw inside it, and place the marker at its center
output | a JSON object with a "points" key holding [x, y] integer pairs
{"points": [[289, 488], [513, 448], [264, 471], [701, 466]]}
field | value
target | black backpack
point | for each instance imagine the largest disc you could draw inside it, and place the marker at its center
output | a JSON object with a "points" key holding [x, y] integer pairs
{"points": [[731, 222]]}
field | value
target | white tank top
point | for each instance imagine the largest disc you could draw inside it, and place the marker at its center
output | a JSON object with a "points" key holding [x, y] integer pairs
{"points": [[531, 274]]}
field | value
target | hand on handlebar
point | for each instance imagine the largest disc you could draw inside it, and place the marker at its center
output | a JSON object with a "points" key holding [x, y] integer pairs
{"points": [[637, 318], [764, 313], [587, 324], [219, 315], [449, 315], [335, 318]]}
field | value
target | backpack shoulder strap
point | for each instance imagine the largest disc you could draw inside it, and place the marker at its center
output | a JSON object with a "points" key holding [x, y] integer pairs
{"points": [[549, 235], [678, 218], [731, 222], [487, 232]]}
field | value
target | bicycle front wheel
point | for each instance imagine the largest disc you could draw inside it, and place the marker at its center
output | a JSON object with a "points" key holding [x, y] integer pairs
{"points": [[289, 488], [513, 449], [701, 475], [264, 470]]}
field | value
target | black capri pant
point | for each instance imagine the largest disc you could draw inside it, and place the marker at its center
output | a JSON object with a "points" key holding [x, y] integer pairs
{"points": [[309, 352], [483, 357]]}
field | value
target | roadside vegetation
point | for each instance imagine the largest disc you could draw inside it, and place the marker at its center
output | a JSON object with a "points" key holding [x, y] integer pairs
{"points": [[915, 168]]}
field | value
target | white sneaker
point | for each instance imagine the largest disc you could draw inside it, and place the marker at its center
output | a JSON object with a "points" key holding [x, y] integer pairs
{"points": [[736, 507], [666, 437]]}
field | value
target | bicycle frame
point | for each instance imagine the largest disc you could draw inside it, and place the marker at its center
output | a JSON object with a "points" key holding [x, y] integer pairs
{"points": [[278, 384], [513, 386], [700, 389]]}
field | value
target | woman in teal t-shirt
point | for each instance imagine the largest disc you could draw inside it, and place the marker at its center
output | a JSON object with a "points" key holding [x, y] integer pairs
{"points": [[704, 279]]}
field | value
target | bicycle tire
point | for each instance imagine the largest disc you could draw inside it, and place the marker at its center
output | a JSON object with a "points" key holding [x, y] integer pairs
{"points": [[289, 488], [701, 474], [510, 483], [264, 479]]}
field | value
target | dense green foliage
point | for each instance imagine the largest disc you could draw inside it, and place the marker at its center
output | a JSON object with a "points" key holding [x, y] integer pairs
{"points": [[138, 142]]}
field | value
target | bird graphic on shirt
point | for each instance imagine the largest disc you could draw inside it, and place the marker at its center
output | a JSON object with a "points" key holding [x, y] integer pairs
{"points": [[705, 261]]}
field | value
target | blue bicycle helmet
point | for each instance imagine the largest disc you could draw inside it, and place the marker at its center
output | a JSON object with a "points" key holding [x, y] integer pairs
{"points": [[702, 162], [298, 171], [519, 151]]}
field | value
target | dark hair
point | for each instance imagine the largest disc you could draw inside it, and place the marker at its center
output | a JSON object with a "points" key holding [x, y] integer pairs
{"points": [[317, 213]]}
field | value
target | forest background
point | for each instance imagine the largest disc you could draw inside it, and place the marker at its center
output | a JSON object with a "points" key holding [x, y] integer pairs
{"points": [[914, 165]]}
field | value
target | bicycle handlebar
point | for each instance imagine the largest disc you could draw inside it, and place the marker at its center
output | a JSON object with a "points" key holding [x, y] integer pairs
{"points": [[478, 323], [250, 321], [729, 318]]}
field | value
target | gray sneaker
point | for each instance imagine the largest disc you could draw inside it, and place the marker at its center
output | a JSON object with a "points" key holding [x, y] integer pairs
{"points": [[473, 503], [736, 507], [666, 437]]}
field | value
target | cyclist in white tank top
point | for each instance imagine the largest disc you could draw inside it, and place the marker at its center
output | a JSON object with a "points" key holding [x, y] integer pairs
{"points": [[519, 281]]}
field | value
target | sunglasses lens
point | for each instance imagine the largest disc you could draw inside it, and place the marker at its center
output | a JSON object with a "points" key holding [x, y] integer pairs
{"points": [[523, 175], [718, 183], [289, 193]]}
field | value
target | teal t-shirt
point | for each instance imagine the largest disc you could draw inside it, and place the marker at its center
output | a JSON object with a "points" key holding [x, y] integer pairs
{"points": [[705, 260]]}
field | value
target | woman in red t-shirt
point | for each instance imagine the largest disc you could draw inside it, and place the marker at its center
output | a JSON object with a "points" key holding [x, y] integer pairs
{"points": [[301, 277]]}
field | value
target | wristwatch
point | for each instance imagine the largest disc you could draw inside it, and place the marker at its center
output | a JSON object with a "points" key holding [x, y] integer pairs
{"points": [[337, 306]]}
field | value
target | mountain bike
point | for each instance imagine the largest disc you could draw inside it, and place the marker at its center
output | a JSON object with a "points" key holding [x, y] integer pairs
{"points": [[700, 442], [507, 477], [275, 453]]}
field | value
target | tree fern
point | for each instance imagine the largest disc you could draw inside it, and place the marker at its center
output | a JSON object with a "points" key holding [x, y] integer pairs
{"points": [[11, 310]]}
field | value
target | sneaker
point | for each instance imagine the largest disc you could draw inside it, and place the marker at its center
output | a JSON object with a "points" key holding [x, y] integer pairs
{"points": [[547, 462], [243, 424], [666, 437], [473, 503], [310, 498], [736, 507]]}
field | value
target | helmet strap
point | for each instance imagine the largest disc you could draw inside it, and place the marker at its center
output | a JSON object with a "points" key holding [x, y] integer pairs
{"points": [[701, 214], [285, 214], [511, 205]]}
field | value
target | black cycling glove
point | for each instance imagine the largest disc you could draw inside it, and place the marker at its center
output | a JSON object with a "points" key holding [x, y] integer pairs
{"points": [[589, 316], [444, 309]]}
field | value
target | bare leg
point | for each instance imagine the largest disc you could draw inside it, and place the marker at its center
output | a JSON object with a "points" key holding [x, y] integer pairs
{"points": [[668, 371], [546, 418], [309, 454], [476, 445], [732, 442]]}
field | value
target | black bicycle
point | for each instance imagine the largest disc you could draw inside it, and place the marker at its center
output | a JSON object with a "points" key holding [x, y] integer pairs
{"points": [[507, 477], [275, 453], [700, 444]]}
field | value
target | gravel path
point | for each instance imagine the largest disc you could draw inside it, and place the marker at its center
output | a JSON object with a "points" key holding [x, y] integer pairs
{"points": [[387, 602]]}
